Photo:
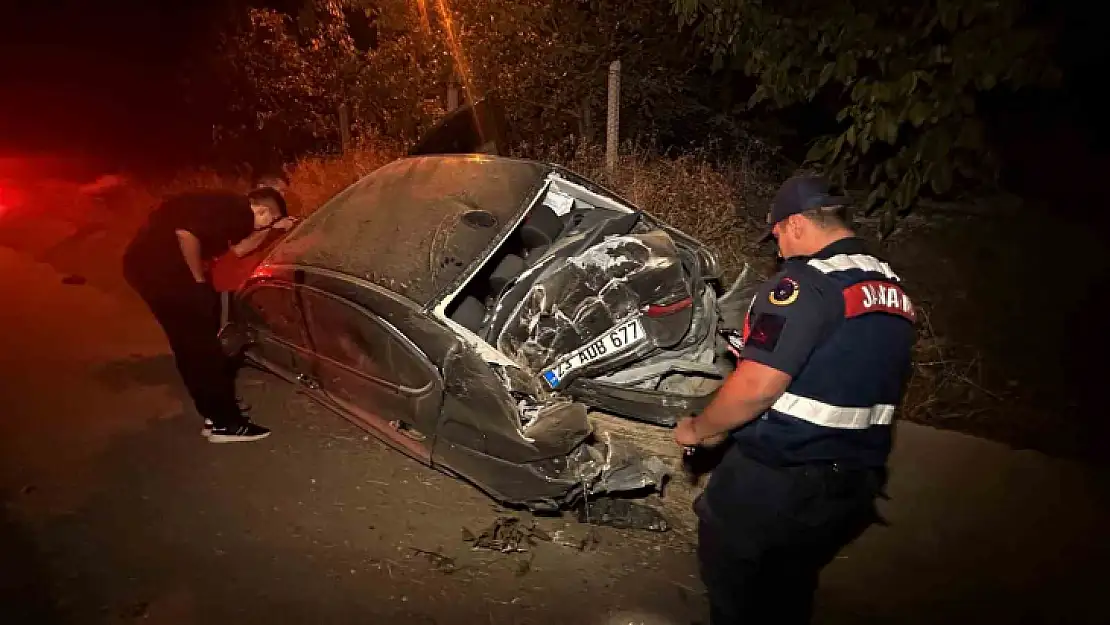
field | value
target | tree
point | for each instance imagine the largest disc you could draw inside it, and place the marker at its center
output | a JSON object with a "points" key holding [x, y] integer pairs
{"points": [[278, 79], [283, 74], [547, 60], [905, 78]]}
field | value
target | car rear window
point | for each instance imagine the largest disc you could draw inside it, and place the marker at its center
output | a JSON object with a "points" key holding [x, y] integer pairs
{"points": [[415, 225]]}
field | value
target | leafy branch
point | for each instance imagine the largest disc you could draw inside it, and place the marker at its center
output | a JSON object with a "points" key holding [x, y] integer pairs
{"points": [[905, 79]]}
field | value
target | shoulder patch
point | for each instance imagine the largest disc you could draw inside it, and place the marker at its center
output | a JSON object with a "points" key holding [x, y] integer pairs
{"points": [[766, 332], [873, 296], [785, 292]]}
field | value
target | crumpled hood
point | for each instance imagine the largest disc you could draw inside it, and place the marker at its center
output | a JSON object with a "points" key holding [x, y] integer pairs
{"points": [[574, 299]]}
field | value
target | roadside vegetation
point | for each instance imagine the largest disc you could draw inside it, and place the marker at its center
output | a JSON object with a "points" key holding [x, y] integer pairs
{"points": [[957, 383], [720, 101]]}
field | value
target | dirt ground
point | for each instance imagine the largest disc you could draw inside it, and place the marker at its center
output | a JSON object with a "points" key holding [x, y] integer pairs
{"points": [[115, 510], [1015, 304]]}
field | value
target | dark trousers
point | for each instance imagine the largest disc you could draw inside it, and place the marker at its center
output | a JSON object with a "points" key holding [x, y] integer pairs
{"points": [[190, 317], [765, 533]]}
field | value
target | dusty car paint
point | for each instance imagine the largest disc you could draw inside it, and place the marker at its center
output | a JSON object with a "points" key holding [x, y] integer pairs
{"points": [[415, 244]]}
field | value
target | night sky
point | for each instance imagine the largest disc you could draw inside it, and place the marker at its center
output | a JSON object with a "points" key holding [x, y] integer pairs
{"points": [[99, 75]]}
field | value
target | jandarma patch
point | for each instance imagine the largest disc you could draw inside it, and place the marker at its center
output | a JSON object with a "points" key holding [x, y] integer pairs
{"points": [[766, 332], [785, 292]]}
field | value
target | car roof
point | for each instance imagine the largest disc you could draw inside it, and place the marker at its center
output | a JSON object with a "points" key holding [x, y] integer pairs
{"points": [[402, 226]]}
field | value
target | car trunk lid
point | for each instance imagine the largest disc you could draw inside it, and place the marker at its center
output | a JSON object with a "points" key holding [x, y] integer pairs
{"points": [[473, 128], [599, 299]]}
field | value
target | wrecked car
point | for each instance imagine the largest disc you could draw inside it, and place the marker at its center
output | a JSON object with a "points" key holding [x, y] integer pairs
{"points": [[469, 309]]}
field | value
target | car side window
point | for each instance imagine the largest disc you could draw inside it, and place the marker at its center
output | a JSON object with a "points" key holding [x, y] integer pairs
{"points": [[273, 309], [357, 339]]}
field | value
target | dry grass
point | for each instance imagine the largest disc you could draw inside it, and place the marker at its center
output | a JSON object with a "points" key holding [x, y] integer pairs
{"points": [[689, 191], [946, 383], [313, 180]]}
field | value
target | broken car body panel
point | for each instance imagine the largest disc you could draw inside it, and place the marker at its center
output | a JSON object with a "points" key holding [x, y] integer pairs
{"points": [[467, 309], [588, 287]]}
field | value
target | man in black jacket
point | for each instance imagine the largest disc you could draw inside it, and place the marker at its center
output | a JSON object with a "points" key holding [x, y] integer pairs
{"points": [[166, 265]]}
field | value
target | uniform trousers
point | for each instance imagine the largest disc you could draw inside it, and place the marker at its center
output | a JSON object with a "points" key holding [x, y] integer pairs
{"points": [[765, 532]]}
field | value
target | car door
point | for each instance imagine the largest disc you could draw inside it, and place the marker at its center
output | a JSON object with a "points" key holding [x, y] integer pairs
{"points": [[280, 339], [373, 373]]}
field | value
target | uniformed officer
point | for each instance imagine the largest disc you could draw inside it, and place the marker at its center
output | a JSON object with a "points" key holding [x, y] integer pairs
{"points": [[809, 408]]}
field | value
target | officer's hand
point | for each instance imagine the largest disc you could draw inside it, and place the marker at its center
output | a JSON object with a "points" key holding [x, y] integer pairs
{"points": [[684, 433]]}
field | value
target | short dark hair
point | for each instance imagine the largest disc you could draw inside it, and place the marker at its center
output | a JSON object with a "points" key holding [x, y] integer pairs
{"points": [[830, 216], [271, 194]]}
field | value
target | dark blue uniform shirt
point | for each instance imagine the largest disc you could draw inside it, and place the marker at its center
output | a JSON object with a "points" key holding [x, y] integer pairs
{"points": [[840, 325]]}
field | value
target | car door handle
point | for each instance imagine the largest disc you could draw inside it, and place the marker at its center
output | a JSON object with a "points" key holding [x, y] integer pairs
{"points": [[308, 381]]}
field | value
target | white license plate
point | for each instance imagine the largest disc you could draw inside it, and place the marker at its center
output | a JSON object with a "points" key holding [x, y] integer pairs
{"points": [[622, 338]]}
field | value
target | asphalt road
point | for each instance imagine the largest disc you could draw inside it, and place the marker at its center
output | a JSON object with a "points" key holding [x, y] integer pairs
{"points": [[115, 510]]}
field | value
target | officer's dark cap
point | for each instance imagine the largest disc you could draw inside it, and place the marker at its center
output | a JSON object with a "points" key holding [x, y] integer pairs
{"points": [[798, 195]]}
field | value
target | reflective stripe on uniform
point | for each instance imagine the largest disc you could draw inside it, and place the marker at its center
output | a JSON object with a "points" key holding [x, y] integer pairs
{"points": [[845, 262], [828, 415]]}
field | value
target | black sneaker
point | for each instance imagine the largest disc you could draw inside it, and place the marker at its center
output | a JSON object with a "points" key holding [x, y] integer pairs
{"points": [[207, 429], [238, 433]]}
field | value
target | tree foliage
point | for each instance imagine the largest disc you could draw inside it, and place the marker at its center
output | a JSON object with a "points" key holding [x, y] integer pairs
{"points": [[904, 76], [283, 74], [548, 59], [278, 78]]}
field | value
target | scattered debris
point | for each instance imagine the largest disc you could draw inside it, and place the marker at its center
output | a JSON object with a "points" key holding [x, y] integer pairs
{"points": [[585, 543], [622, 514], [507, 534], [524, 566], [442, 563]]}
